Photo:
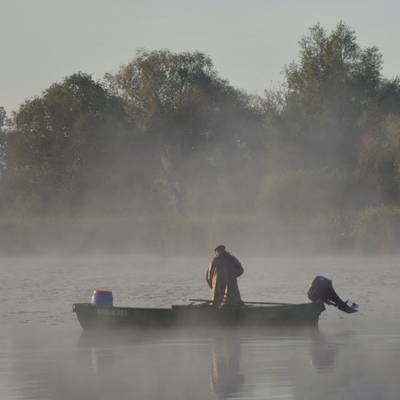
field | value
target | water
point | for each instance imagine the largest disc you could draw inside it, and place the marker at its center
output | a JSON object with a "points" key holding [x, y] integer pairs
{"points": [[44, 355]]}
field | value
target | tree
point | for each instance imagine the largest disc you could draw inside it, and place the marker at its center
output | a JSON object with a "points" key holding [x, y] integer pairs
{"points": [[379, 159], [202, 127], [3, 142], [331, 95], [73, 142], [159, 82]]}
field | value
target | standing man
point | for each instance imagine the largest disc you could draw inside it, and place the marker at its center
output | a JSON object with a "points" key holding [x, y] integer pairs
{"points": [[222, 275]]}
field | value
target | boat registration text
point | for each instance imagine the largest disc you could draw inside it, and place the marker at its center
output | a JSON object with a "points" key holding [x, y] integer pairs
{"points": [[109, 312]]}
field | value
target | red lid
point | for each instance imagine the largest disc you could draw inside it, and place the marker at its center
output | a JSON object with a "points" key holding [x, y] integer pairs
{"points": [[101, 291]]}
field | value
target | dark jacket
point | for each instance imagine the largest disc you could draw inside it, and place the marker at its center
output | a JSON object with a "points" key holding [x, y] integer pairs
{"points": [[222, 275]]}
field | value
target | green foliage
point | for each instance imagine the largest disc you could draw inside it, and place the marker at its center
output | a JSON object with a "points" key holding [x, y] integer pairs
{"points": [[3, 117], [68, 143], [300, 194], [201, 126], [166, 136], [160, 82], [3, 142], [181, 100], [331, 96], [377, 229], [379, 158]]}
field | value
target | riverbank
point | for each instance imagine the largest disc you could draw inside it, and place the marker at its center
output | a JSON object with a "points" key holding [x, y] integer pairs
{"points": [[373, 230]]}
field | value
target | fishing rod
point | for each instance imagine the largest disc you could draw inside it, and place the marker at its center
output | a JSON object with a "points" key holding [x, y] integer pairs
{"points": [[246, 302]]}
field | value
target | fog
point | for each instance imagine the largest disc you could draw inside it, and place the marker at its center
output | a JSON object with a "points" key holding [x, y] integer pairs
{"points": [[165, 155], [226, 366], [46, 355], [127, 183]]}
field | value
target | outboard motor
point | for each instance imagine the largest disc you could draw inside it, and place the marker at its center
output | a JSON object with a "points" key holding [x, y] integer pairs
{"points": [[321, 289]]}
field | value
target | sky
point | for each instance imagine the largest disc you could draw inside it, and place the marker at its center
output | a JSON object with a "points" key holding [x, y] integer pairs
{"points": [[43, 41]]}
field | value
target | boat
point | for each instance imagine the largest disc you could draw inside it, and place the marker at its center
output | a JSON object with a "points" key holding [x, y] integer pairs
{"points": [[92, 316], [100, 313]]}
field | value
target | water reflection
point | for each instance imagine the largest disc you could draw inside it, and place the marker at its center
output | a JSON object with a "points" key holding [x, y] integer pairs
{"points": [[222, 364], [225, 376], [323, 351], [298, 365], [51, 361]]}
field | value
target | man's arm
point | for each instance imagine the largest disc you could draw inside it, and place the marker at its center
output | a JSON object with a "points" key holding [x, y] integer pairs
{"points": [[209, 275], [238, 267]]}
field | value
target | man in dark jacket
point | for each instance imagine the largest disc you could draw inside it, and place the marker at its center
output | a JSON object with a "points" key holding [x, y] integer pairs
{"points": [[222, 275]]}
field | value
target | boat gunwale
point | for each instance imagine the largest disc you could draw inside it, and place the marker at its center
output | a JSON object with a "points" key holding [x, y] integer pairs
{"points": [[198, 307]]}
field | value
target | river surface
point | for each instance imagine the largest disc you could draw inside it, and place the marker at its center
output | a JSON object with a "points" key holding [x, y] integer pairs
{"points": [[45, 355]]}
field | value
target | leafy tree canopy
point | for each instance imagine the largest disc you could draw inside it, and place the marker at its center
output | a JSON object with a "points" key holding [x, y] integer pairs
{"points": [[66, 141], [332, 95]]}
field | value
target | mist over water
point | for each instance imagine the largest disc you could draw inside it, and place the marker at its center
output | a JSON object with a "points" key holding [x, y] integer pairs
{"points": [[165, 156], [45, 355]]}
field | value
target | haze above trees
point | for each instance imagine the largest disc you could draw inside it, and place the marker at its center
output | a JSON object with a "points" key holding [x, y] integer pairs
{"points": [[167, 135]]}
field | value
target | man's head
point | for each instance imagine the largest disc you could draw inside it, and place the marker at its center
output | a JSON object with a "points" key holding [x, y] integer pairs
{"points": [[219, 250]]}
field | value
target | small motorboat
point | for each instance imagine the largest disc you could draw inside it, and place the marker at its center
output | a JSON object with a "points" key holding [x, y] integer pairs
{"points": [[100, 313], [92, 316]]}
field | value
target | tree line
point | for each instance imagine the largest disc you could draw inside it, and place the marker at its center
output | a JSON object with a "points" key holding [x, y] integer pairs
{"points": [[166, 134]]}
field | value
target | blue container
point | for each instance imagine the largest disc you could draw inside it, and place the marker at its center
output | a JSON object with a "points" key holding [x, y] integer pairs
{"points": [[101, 298]]}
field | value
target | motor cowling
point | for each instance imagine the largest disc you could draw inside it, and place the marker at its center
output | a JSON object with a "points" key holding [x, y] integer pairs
{"points": [[320, 289]]}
